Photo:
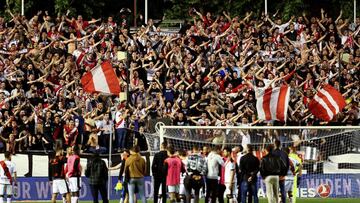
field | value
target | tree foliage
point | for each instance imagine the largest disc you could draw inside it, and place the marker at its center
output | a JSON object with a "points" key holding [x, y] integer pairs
{"points": [[286, 8], [15, 6], [178, 9], [61, 6]]}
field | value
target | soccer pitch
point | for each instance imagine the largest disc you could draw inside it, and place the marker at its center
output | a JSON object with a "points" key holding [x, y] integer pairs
{"points": [[308, 200]]}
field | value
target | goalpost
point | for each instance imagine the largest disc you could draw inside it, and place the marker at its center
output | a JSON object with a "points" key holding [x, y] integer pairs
{"points": [[330, 154], [234, 135]]}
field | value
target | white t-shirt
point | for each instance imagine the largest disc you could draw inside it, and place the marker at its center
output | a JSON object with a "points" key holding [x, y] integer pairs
{"points": [[119, 121], [214, 161], [229, 167], [344, 38], [105, 125], [246, 139], [238, 157], [12, 169], [183, 175], [282, 27], [267, 82]]}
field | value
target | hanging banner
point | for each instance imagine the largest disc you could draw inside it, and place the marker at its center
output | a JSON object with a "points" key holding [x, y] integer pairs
{"points": [[317, 185]]}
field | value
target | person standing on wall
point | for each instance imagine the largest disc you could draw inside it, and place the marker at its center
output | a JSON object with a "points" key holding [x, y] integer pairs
{"points": [[97, 172], [135, 170], [57, 176], [73, 173], [158, 173], [120, 128], [7, 178]]}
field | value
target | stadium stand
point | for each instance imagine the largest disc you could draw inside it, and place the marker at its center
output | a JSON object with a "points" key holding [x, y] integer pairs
{"points": [[206, 74]]}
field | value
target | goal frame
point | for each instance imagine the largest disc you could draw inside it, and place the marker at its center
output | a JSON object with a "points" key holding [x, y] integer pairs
{"points": [[163, 128]]}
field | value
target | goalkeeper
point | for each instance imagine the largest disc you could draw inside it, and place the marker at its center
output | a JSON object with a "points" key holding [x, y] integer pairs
{"points": [[124, 198], [292, 184], [196, 169]]}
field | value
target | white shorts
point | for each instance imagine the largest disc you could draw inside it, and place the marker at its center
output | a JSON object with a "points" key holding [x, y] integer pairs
{"points": [[181, 186], [60, 186], [173, 188], [6, 189], [182, 189], [229, 190], [289, 184], [74, 184]]}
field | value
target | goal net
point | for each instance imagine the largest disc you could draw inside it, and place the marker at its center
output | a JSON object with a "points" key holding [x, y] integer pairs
{"points": [[331, 163]]}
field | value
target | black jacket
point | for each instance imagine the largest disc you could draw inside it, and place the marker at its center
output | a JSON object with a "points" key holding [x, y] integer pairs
{"points": [[249, 167], [285, 158], [122, 169], [157, 167], [271, 165], [96, 171]]}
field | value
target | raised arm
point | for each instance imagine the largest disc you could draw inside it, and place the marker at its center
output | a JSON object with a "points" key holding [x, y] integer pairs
{"points": [[339, 17]]}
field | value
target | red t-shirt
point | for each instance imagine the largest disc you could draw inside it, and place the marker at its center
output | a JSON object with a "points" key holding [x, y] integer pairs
{"points": [[71, 134], [174, 165], [83, 27], [73, 167]]}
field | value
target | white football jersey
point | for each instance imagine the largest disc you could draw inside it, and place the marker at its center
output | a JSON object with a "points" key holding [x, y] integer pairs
{"points": [[12, 169]]}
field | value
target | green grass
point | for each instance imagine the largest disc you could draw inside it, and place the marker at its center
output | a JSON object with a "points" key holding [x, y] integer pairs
{"points": [[308, 200]]}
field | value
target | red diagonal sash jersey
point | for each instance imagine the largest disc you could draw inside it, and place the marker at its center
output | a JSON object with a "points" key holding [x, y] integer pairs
{"points": [[6, 170]]}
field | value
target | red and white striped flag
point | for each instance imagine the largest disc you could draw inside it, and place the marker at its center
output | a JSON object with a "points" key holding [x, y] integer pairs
{"points": [[272, 103], [101, 78], [326, 103]]}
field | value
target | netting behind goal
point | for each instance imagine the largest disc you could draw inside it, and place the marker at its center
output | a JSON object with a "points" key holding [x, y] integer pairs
{"points": [[327, 149], [330, 154]]}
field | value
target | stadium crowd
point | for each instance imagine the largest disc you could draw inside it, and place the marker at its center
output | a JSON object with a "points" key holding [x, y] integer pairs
{"points": [[206, 74]]}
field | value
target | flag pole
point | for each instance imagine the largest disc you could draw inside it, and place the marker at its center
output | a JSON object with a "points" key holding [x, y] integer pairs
{"points": [[266, 7], [135, 13], [339, 64], [22, 8], [109, 162], [146, 12], [354, 11]]}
